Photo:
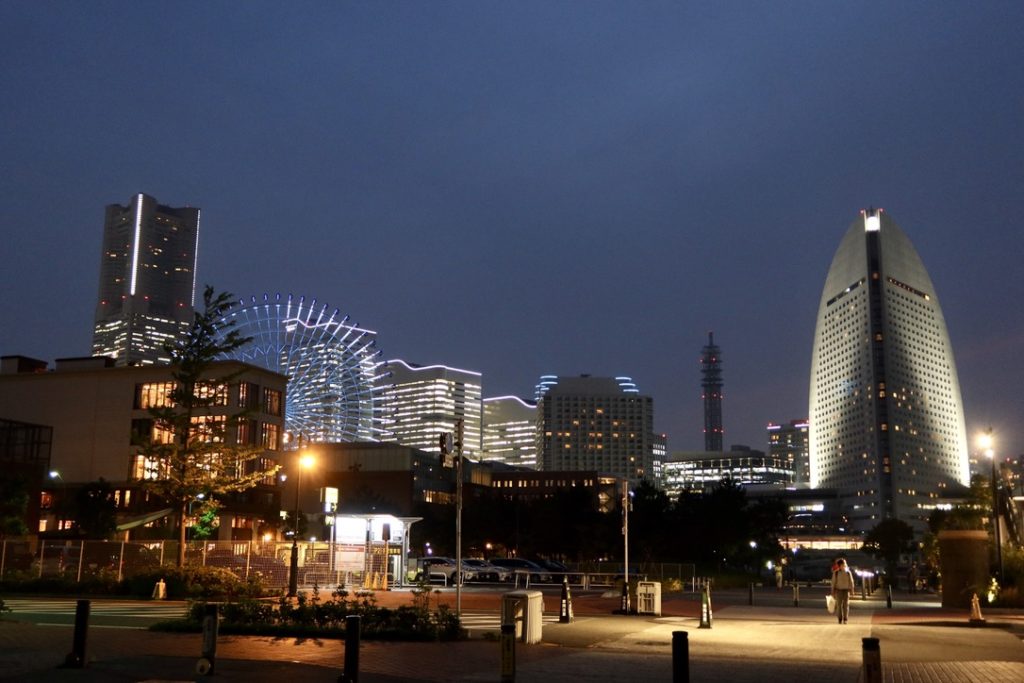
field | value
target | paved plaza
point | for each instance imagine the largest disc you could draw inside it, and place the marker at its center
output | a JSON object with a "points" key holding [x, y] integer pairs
{"points": [[766, 643]]}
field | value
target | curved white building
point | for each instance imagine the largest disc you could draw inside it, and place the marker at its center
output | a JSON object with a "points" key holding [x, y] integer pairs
{"points": [[886, 418]]}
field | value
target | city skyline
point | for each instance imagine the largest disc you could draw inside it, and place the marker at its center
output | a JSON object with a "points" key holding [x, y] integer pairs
{"points": [[535, 191]]}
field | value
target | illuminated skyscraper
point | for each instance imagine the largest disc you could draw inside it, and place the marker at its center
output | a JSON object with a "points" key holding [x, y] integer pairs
{"points": [[711, 393], [886, 419], [789, 442], [599, 424], [421, 402], [147, 280], [510, 431]]}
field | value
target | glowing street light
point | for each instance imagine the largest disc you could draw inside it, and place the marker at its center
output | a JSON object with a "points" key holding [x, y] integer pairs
{"points": [[987, 442]]}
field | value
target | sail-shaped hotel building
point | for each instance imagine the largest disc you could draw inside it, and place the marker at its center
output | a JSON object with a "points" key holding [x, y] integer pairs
{"points": [[886, 419]]}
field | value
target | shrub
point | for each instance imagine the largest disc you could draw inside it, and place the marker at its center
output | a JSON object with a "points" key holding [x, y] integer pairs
{"points": [[193, 582]]}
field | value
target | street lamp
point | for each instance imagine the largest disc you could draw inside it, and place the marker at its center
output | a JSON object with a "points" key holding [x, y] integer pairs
{"points": [[986, 442], [305, 462]]}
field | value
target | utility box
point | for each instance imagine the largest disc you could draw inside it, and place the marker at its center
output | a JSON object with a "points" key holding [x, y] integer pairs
{"points": [[525, 610], [648, 598]]}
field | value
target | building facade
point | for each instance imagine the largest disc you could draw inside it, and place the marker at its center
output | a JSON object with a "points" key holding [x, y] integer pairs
{"points": [[99, 413], [791, 442], [886, 419], [599, 424], [147, 280], [510, 431], [697, 470], [422, 402]]}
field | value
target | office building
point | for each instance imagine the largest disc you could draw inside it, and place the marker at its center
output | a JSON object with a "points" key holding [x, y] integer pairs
{"points": [[886, 419], [791, 442], [599, 424], [423, 401], [510, 431], [95, 415], [147, 280], [698, 470]]}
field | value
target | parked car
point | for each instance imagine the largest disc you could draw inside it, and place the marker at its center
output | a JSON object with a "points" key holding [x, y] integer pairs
{"points": [[520, 566], [485, 571], [558, 570], [434, 567]]}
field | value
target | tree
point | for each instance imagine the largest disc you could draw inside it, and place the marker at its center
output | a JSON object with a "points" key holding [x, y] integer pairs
{"points": [[14, 499], [889, 539], [94, 510], [192, 448]]}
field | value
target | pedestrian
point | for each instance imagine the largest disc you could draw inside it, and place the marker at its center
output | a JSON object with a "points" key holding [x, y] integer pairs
{"points": [[842, 584]]}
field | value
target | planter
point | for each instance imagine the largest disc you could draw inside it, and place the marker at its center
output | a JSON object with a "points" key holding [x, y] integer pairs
{"points": [[963, 559]]}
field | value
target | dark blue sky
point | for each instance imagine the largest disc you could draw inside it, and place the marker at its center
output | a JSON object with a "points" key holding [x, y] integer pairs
{"points": [[528, 188]]}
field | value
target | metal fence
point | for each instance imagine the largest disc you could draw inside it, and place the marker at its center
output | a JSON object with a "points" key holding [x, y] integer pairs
{"points": [[80, 561], [266, 561]]}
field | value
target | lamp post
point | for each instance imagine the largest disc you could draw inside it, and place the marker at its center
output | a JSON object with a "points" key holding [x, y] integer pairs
{"points": [[986, 443], [305, 461]]}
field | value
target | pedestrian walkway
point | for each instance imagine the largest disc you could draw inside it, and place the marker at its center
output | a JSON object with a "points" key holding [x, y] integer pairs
{"points": [[747, 644]]}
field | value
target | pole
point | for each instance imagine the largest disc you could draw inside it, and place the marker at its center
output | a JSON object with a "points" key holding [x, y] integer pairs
{"points": [[293, 575], [995, 515], [350, 674], [680, 657], [625, 549], [871, 656], [459, 432], [211, 626], [76, 658]]}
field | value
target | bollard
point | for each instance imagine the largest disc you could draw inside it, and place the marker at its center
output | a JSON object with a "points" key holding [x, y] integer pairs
{"points": [[211, 624], [888, 596], [872, 661], [863, 587], [565, 613], [625, 597], [160, 590], [76, 658], [705, 608], [750, 595], [796, 595], [680, 657], [508, 653], [352, 632]]}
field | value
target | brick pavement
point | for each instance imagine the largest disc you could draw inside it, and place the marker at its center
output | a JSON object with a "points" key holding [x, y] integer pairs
{"points": [[748, 644]]}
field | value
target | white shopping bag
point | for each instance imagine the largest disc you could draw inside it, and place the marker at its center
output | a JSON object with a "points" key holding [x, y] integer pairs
{"points": [[830, 604]]}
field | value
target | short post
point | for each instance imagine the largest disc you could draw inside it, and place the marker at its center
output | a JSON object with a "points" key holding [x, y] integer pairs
{"points": [[863, 588], [508, 653], [750, 594], [352, 633], [680, 657], [796, 595], [872, 661], [160, 590], [624, 606], [705, 607], [211, 625], [565, 613], [76, 658], [888, 596]]}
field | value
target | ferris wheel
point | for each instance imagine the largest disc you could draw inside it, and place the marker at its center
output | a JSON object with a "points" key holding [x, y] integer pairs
{"points": [[333, 366]]}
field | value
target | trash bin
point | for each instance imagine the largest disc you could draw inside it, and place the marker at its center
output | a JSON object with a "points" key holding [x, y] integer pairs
{"points": [[648, 598], [524, 609]]}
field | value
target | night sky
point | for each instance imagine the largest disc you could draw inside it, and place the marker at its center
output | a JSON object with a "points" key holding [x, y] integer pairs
{"points": [[526, 188]]}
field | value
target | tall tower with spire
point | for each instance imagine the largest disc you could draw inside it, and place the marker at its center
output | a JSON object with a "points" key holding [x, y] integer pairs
{"points": [[711, 393]]}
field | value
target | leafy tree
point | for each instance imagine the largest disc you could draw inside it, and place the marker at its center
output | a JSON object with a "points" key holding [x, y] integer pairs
{"points": [[206, 521], [14, 499], [889, 539], [196, 456], [94, 511]]}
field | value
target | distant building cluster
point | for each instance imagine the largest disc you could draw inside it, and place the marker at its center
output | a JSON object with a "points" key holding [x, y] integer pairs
{"points": [[884, 434]]}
